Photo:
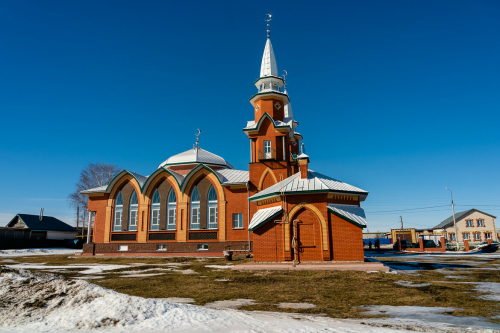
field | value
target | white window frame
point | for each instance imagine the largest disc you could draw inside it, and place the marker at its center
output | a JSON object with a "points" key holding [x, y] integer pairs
{"points": [[171, 214], [480, 223], [467, 223], [478, 234], [134, 209], [117, 225], [237, 220], [195, 216], [155, 215], [194, 220], [267, 149], [452, 237], [171, 211], [466, 236]]}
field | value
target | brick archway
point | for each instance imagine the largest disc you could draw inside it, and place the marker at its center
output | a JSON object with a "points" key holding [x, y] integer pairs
{"points": [[317, 212], [266, 172]]}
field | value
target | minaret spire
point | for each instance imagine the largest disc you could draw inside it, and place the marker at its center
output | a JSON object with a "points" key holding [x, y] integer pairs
{"points": [[268, 66]]}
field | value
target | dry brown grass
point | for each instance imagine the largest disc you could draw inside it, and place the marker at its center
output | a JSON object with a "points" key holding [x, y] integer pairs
{"points": [[336, 293]]}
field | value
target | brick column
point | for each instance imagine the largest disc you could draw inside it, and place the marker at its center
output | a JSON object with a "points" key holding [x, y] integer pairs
{"points": [[421, 244], [182, 213], [466, 243], [222, 220], [489, 241], [443, 245], [107, 224], [142, 223]]}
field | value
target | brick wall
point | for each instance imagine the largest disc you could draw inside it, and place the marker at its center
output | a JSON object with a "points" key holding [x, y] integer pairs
{"points": [[347, 240], [236, 203], [98, 204], [171, 247], [268, 242]]}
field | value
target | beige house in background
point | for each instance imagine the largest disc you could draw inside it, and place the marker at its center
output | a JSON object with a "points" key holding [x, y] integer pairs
{"points": [[472, 225]]}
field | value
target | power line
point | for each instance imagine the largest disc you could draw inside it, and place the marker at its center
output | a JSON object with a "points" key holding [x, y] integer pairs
{"points": [[403, 210]]}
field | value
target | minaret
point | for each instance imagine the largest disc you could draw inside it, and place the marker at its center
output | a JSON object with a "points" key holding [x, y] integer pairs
{"points": [[273, 140]]}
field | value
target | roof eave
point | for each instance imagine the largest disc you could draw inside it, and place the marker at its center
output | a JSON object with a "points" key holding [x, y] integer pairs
{"points": [[362, 195], [276, 93], [346, 218]]}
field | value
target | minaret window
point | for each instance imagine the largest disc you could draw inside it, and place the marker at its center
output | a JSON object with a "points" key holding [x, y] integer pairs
{"points": [[134, 207], [171, 210], [155, 211], [195, 210], [212, 208], [267, 149], [117, 226]]}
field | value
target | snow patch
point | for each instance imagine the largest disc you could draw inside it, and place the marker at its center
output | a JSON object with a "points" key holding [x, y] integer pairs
{"points": [[411, 284], [181, 300], [38, 252], [219, 266], [422, 318], [296, 306], [230, 304]]}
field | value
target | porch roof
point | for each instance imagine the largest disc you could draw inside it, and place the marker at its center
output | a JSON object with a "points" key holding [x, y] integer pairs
{"points": [[263, 215]]}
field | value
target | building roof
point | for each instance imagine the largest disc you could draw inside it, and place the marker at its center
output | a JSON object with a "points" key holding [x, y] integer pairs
{"points": [[268, 66], [252, 125], [48, 223], [141, 180], [351, 213], [262, 216], [231, 176], [226, 176], [196, 155], [458, 216], [315, 182]]}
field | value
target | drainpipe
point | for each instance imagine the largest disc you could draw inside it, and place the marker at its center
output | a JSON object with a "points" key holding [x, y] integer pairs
{"points": [[90, 227], [248, 217]]}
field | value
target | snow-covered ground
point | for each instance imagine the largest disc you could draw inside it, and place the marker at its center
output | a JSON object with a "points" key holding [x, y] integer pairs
{"points": [[38, 252], [42, 302], [45, 302]]}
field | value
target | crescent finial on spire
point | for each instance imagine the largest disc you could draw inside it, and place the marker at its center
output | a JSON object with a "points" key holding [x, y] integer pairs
{"points": [[270, 16]]}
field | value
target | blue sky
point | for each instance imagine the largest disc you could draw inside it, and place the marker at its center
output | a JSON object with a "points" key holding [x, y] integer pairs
{"points": [[400, 98]]}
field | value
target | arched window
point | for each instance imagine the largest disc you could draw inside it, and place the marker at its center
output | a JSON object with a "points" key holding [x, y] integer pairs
{"points": [[212, 208], [134, 207], [195, 209], [117, 226], [171, 207], [155, 211]]}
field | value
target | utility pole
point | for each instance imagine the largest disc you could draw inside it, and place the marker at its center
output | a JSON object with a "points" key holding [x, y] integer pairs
{"points": [[401, 234], [454, 222], [77, 219]]}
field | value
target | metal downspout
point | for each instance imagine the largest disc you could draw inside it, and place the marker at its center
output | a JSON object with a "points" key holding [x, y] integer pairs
{"points": [[248, 217]]}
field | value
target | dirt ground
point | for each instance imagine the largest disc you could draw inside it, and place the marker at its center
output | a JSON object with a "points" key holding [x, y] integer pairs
{"points": [[416, 280]]}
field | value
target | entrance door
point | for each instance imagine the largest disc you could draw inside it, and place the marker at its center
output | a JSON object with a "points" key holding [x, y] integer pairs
{"points": [[309, 241]]}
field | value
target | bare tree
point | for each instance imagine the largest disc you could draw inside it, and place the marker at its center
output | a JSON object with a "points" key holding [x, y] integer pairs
{"points": [[93, 175]]}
